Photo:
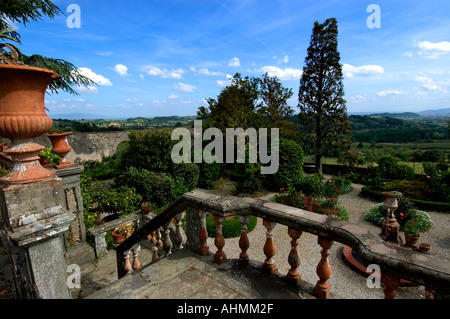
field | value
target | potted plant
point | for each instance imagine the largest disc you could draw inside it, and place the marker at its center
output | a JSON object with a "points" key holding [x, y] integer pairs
{"points": [[47, 158], [420, 222], [122, 232], [412, 233], [146, 208]]}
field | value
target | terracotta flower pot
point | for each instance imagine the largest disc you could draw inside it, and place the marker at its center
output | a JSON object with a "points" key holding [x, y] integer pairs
{"points": [[411, 241], [118, 238], [22, 118], [61, 147]]}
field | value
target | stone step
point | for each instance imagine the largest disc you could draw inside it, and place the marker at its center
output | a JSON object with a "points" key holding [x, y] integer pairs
{"points": [[80, 253], [186, 275]]}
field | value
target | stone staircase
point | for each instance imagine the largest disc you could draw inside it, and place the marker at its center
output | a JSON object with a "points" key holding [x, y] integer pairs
{"points": [[187, 275]]}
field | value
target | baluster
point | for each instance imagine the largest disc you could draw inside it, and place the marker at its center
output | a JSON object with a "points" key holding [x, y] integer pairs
{"points": [[323, 270], [220, 257], [152, 237], [158, 237], [244, 243], [204, 249], [155, 253], [135, 250], [126, 264], [293, 258], [167, 244], [269, 248], [390, 284], [179, 236]]}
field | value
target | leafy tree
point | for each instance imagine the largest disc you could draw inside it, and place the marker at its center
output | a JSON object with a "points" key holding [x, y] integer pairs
{"points": [[235, 106], [24, 11], [274, 110], [323, 113]]}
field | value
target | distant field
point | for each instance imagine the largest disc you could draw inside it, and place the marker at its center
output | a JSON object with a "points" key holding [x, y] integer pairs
{"points": [[394, 149]]}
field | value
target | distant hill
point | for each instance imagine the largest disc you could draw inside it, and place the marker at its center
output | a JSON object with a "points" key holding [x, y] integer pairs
{"points": [[405, 115], [80, 116], [438, 112]]}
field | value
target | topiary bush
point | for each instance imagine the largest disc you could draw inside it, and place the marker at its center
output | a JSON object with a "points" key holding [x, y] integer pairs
{"points": [[290, 169]]}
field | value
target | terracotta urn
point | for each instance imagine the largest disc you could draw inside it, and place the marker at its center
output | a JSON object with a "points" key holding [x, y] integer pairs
{"points": [[391, 228], [22, 118], [61, 147]]}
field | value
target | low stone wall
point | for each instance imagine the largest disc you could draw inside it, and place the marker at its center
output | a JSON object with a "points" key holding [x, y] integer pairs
{"points": [[90, 146]]}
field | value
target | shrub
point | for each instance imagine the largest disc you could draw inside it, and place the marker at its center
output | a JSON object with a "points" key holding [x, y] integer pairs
{"points": [[122, 201], [376, 214], [222, 188], [230, 227], [389, 168], [343, 185], [209, 173], [157, 188], [100, 170], [248, 186], [290, 167], [188, 173], [309, 185], [291, 197], [410, 189], [404, 214], [148, 149]]}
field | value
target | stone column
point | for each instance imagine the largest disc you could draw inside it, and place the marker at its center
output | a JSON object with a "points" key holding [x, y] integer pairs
{"points": [[34, 219]]}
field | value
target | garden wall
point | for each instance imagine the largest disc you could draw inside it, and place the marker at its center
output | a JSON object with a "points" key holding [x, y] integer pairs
{"points": [[90, 146]]}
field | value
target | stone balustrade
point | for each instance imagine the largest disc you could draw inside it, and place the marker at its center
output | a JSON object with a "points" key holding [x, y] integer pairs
{"points": [[394, 261]]}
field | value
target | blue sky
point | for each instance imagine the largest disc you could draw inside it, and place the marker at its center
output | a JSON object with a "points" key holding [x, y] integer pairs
{"points": [[164, 57]]}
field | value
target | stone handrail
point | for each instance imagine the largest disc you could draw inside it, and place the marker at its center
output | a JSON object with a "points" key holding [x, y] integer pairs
{"points": [[99, 231], [395, 262]]}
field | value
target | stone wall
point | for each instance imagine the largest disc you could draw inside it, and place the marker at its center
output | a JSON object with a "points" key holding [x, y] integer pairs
{"points": [[90, 146]]}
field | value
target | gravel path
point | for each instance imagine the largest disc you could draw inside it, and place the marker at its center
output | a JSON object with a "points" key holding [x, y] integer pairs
{"points": [[345, 282]]}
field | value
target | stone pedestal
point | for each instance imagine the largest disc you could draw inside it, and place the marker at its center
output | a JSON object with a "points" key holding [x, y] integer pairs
{"points": [[34, 221], [73, 202]]}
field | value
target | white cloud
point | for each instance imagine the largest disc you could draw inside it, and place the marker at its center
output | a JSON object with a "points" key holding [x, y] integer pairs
{"points": [[182, 87], [121, 69], [224, 83], [285, 74], [351, 71], [423, 79], [234, 62], [286, 59], [430, 50], [434, 87], [88, 90], [173, 96], [389, 93], [97, 78], [204, 71], [164, 73]]}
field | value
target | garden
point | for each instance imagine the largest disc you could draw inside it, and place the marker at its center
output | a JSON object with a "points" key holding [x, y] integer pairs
{"points": [[142, 172]]}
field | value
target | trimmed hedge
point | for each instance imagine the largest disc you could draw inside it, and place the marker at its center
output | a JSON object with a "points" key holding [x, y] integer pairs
{"points": [[375, 194], [230, 227]]}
